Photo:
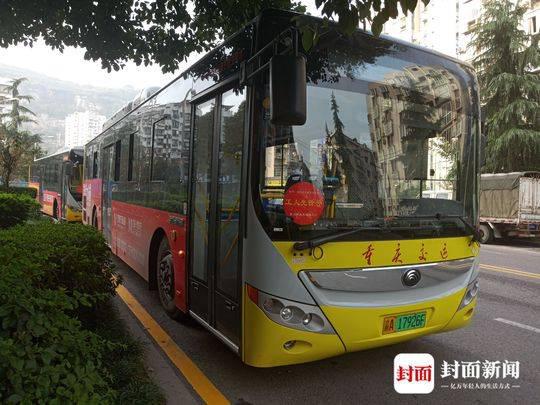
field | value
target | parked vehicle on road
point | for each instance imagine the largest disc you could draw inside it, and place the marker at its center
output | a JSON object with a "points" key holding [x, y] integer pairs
{"points": [[509, 205], [58, 179], [274, 193]]}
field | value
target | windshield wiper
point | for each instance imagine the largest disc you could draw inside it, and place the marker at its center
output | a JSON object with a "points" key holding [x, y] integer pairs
{"points": [[321, 240], [438, 216]]}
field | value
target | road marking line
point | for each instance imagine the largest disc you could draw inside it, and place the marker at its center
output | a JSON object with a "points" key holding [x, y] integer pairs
{"points": [[200, 383], [518, 249], [510, 271], [519, 325]]}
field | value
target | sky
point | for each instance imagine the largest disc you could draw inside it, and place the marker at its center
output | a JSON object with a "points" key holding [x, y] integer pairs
{"points": [[71, 66]]}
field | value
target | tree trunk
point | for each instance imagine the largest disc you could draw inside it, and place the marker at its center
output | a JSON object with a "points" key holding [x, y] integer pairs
{"points": [[6, 179]]}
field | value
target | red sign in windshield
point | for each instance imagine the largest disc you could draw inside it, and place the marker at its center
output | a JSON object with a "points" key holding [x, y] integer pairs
{"points": [[304, 203]]}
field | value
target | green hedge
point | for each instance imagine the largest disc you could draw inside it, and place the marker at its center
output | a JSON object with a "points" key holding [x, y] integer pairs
{"points": [[46, 354], [70, 256], [16, 208], [30, 191], [56, 320]]}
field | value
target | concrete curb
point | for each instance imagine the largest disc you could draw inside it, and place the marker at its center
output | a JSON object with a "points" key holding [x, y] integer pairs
{"points": [[172, 383]]}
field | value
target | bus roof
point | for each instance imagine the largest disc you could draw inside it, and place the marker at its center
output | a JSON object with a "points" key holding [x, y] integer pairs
{"points": [[254, 21], [368, 32], [76, 149]]}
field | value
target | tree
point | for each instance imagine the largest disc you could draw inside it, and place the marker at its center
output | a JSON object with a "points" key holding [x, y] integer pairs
{"points": [[162, 31], [15, 146], [506, 57], [12, 101]]}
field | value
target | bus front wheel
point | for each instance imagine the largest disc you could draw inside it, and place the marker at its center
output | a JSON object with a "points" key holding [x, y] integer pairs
{"points": [[165, 280], [486, 233]]}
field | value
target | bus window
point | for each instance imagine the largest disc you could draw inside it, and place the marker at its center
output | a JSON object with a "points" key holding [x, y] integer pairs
{"points": [[117, 156], [364, 152], [130, 157], [161, 134], [95, 165], [229, 172], [75, 181]]}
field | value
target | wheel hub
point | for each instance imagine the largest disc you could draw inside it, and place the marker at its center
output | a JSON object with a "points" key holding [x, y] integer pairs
{"points": [[166, 277]]}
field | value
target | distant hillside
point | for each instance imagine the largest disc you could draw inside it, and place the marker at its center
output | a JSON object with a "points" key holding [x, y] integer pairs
{"points": [[54, 99]]}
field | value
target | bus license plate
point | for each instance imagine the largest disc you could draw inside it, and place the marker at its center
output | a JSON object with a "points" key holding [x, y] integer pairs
{"points": [[399, 323]]}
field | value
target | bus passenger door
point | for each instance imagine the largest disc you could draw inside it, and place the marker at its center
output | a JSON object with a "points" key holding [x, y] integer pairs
{"points": [[215, 269], [107, 179], [64, 187]]}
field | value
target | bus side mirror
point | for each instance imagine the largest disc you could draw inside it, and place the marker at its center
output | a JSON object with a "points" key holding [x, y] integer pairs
{"points": [[483, 144], [68, 168], [288, 90]]}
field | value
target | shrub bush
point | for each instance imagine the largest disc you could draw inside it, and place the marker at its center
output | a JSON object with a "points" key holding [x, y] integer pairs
{"points": [[71, 256], [45, 353], [60, 339], [16, 208], [30, 191]]}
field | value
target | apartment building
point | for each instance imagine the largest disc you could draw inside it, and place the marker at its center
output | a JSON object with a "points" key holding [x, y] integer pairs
{"points": [[80, 127], [445, 25]]}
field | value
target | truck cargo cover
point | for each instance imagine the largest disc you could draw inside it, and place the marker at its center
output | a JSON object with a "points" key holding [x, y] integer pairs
{"points": [[499, 194], [504, 181]]}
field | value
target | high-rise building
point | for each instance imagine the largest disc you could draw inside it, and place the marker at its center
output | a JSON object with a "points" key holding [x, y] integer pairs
{"points": [[445, 25], [80, 127]]}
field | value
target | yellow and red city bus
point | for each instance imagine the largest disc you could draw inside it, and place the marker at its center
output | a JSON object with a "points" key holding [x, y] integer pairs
{"points": [[58, 180], [285, 198]]}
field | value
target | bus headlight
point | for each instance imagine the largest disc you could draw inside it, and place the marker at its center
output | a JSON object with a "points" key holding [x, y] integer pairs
{"points": [[286, 314], [470, 293], [307, 319], [290, 313]]}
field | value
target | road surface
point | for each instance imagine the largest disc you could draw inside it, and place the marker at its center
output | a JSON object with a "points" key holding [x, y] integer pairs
{"points": [[506, 327]]}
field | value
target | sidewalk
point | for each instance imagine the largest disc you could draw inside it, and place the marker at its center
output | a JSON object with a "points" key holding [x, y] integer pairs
{"points": [[172, 383]]}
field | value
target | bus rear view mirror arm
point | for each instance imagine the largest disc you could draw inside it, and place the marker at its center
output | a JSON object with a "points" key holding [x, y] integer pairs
{"points": [[68, 168]]}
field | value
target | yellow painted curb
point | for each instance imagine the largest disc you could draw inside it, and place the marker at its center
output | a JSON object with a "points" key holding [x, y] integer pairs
{"points": [[198, 380]]}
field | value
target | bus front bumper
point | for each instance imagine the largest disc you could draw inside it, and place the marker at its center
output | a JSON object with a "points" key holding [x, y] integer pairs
{"points": [[268, 344], [361, 328], [73, 215]]}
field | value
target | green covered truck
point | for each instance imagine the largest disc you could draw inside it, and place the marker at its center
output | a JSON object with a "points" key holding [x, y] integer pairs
{"points": [[509, 205]]}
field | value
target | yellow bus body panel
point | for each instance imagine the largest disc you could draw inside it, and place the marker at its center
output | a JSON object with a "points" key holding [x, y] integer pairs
{"points": [[73, 215], [361, 328], [346, 255], [357, 328], [264, 339]]}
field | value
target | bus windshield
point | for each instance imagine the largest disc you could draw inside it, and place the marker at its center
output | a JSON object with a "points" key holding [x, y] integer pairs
{"points": [[75, 181], [388, 141]]}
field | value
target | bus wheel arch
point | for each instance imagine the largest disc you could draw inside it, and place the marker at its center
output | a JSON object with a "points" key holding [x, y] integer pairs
{"points": [[158, 236], [161, 273], [95, 221]]}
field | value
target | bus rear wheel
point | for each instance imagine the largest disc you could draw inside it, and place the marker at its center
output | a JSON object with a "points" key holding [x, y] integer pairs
{"points": [[486, 233], [165, 280], [94, 218]]}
